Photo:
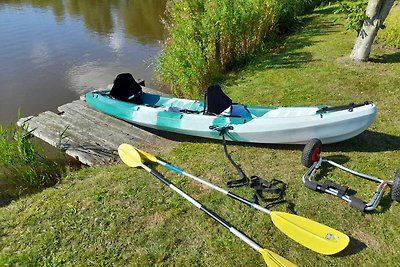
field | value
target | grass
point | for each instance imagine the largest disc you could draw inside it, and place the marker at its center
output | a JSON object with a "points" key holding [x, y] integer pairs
{"points": [[118, 216], [391, 34]]}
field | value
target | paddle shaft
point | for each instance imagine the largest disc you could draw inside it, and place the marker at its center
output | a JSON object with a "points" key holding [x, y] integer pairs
{"points": [[314, 236], [210, 213], [226, 192]]}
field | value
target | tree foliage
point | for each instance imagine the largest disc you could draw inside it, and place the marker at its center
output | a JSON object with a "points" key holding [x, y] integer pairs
{"points": [[355, 14]]}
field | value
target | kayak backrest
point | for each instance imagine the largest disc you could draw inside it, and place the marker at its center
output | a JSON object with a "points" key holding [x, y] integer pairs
{"points": [[125, 88], [216, 101]]}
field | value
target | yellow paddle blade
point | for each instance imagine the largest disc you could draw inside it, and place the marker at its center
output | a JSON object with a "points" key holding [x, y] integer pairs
{"points": [[274, 260], [129, 155], [145, 155], [313, 235]]}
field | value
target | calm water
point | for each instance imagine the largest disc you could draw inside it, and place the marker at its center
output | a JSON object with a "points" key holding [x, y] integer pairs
{"points": [[53, 51]]}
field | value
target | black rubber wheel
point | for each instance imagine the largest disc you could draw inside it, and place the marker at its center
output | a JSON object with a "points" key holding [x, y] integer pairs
{"points": [[311, 152], [395, 192]]}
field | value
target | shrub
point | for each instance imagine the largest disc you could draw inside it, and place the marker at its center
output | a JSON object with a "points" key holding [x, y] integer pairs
{"points": [[208, 37]]}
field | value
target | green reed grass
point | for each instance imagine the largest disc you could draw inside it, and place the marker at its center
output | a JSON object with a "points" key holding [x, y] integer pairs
{"points": [[22, 167], [207, 38]]}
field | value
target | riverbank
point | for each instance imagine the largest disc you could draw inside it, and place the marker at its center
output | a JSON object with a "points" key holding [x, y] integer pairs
{"points": [[120, 216]]}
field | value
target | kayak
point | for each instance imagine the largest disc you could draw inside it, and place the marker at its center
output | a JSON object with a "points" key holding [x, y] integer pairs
{"points": [[253, 124]]}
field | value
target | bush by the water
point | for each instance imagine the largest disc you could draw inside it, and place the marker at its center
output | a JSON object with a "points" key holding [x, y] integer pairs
{"points": [[208, 37], [22, 168]]}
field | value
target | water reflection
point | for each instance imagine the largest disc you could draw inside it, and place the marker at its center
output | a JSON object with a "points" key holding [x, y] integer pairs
{"points": [[51, 51], [140, 19]]}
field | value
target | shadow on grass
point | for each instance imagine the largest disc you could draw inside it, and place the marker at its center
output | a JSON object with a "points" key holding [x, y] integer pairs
{"points": [[328, 10], [286, 52], [4, 200], [368, 141], [355, 246], [387, 58]]}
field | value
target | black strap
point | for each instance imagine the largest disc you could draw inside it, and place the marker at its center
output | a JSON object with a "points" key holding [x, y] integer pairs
{"points": [[188, 111], [260, 185]]}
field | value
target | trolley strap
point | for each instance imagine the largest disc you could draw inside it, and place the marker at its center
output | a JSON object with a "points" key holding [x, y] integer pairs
{"points": [[260, 185]]}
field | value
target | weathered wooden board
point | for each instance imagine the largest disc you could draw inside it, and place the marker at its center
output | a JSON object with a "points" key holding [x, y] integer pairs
{"points": [[90, 136]]}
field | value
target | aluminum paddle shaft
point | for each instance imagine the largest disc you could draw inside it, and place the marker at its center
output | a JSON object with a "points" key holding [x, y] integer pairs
{"points": [[132, 158], [313, 235]]}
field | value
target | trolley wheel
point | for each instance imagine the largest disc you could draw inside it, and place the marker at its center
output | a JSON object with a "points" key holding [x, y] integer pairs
{"points": [[311, 152], [395, 192]]}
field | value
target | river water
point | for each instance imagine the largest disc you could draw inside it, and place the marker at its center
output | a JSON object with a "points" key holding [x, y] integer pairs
{"points": [[52, 51]]}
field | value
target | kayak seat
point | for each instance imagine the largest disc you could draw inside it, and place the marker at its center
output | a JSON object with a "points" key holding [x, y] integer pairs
{"points": [[125, 88], [218, 103]]}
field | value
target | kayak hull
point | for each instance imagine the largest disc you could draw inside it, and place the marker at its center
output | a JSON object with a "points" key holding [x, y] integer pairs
{"points": [[284, 125]]}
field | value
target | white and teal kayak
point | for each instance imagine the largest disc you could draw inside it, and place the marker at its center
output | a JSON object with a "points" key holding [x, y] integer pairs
{"points": [[273, 125]]}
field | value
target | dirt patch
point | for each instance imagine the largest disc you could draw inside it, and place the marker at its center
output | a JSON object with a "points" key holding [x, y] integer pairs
{"points": [[369, 240]]}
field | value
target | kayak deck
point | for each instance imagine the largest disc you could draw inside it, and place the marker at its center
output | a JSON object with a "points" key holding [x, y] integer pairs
{"points": [[283, 125]]}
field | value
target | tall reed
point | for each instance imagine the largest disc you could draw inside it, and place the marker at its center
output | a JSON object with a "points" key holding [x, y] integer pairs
{"points": [[22, 168], [207, 37]]}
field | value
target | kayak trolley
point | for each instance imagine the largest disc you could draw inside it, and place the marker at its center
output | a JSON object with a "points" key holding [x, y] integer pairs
{"points": [[311, 158]]}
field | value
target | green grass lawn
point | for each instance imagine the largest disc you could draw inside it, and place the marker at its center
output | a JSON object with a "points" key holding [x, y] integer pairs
{"points": [[119, 216]]}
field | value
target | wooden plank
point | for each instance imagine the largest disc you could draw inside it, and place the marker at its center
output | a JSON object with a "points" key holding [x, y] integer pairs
{"points": [[90, 136], [49, 131], [118, 130], [107, 121]]}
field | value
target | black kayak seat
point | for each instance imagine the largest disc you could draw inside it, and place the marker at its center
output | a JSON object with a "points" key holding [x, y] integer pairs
{"points": [[218, 103], [215, 100], [125, 88]]}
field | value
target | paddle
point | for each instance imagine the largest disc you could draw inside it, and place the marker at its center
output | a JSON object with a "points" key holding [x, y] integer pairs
{"points": [[132, 158], [313, 235]]}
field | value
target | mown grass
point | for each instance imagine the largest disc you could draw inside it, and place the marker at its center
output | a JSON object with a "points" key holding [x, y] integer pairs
{"points": [[119, 216]]}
